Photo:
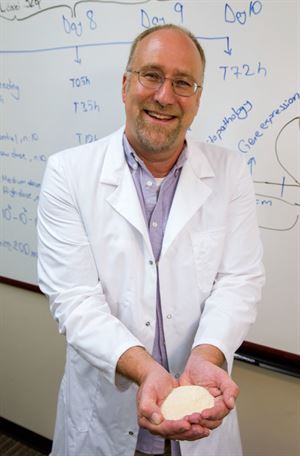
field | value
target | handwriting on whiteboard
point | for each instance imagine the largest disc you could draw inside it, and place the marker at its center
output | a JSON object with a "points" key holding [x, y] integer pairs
{"points": [[59, 89]]}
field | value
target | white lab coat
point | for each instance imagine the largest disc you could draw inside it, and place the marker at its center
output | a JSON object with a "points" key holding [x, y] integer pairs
{"points": [[97, 267]]}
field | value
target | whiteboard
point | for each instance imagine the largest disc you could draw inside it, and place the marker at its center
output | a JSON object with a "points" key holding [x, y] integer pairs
{"points": [[60, 86]]}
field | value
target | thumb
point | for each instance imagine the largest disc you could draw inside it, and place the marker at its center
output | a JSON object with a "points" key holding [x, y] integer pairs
{"points": [[156, 418], [150, 410], [230, 395], [184, 380], [229, 401]]}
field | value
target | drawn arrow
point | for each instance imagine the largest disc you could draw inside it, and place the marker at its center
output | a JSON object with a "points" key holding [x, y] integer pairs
{"points": [[227, 50], [251, 163], [77, 59]]}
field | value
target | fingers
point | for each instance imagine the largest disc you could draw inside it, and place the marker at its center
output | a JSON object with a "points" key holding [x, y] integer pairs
{"points": [[217, 412], [150, 411], [197, 419], [192, 427], [150, 395], [230, 395], [158, 385], [210, 418], [166, 427], [176, 430], [229, 390], [184, 380], [196, 432]]}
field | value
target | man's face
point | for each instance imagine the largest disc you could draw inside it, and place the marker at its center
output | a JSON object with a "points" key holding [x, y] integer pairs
{"points": [[157, 120]]}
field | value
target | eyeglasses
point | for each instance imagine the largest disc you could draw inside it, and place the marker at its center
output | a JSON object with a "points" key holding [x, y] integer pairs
{"points": [[151, 79]]}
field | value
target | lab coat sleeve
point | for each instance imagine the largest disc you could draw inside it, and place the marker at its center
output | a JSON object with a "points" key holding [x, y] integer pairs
{"points": [[231, 306], [68, 275]]}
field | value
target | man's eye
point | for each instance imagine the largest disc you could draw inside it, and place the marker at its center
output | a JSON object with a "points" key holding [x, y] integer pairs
{"points": [[183, 83], [152, 76]]}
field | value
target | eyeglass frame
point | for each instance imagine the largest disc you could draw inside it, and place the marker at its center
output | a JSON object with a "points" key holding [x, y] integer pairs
{"points": [[164, 78]]}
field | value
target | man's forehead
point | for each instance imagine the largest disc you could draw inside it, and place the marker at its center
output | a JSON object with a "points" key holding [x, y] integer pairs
{"points": [[167, 38], [167, 47], [168, 41]]}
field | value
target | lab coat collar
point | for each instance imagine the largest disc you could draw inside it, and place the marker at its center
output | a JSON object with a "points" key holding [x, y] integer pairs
{"points": [[198, 159], [124, 199], [190, 195], [114, 162]]}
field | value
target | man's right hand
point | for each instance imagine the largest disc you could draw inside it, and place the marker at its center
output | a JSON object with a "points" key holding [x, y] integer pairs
{"points": [[155, 383]]}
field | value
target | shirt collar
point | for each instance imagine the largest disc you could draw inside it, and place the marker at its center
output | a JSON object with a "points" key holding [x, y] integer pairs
{"points": [[134, 160]]}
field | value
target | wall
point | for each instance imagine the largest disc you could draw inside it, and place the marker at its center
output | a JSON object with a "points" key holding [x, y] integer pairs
{"points": [[269, 411], [32, 359]]}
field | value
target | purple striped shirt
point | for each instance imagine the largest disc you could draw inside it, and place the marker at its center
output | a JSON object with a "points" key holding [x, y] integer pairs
{"points": [[156, 203]]}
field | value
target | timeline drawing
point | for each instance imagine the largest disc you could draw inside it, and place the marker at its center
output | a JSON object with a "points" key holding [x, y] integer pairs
{"points": [[87, 23], [20, 10]]}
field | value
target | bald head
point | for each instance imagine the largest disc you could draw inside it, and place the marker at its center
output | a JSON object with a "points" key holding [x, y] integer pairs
{"points": [[171, 27]]}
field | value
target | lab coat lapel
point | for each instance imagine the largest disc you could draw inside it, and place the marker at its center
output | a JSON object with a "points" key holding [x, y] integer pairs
{"points": [[124, 199], [190, 195]]}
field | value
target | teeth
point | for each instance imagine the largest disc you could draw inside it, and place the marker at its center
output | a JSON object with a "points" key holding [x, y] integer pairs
{"points": [[160, 116]]}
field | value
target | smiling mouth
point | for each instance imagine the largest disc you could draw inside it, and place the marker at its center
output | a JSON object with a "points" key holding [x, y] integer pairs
{"points": [[159, 116]]}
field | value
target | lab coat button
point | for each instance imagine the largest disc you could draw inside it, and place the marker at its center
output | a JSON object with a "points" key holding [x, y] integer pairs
{"points": [[169, 316], [151, 262], [147, 323]]}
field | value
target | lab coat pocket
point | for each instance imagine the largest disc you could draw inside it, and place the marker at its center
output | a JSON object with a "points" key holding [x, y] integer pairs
{"points": [[207, 249], [82, 387]]}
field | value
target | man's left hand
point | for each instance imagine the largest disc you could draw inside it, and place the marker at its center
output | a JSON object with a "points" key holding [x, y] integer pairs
{"points": [[203, 369]]}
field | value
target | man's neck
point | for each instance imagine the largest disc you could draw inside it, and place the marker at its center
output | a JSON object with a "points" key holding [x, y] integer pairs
{"points": [[159, 163], [160, 167]]}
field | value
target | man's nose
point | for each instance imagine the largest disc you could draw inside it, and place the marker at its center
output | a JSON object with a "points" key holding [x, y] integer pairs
{"points": [[165, 94]]}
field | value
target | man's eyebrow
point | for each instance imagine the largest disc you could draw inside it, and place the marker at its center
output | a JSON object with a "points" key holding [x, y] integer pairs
{"points": [[161, 69], [150, 66]]}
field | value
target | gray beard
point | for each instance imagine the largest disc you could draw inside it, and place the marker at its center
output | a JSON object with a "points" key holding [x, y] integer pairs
{"points": [[155, 138]]}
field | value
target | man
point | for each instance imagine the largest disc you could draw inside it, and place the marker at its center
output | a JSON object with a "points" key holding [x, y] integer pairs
{"points": [[149, 252]]}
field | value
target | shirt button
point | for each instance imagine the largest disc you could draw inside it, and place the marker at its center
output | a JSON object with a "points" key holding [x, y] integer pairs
{"points": [[169, 316], [177, 375], [131, 433], [149, 183], [154, 224]]}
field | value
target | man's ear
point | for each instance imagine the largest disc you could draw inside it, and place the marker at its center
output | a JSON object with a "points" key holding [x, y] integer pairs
{"points": [[124, 86], [199, 95]]}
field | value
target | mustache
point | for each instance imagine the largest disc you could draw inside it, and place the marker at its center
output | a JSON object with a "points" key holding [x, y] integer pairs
{"points": [[163, 109]]}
